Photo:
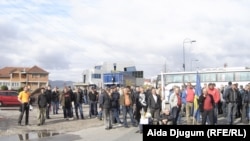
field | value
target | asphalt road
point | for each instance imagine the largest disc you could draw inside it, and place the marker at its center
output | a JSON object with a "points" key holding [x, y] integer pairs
{"points": [[57, 129]]}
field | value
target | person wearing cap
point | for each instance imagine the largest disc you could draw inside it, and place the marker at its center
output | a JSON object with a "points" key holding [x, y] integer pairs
{"points": [[42, 105]]}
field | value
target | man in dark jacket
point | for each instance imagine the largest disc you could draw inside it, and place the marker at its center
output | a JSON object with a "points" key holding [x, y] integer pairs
{"points": [[246, 103], [78, 95], [48, 93], [154, 105], [107, 114], [115, 98], [42, 105], [55, 100], [93, 99], [232, 96]]}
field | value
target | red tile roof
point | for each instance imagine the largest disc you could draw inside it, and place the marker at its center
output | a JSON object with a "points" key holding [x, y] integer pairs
{"points": [[36, 69], [6, 71]]}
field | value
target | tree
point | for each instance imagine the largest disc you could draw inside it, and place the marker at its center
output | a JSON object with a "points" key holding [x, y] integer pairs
{"points": [[4, 87]]}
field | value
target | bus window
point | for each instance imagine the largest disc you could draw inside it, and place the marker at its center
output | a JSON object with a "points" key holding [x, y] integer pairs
{"points": [[208, 77], [225, 76], [190, 78], [174, 78], [242, 76]]}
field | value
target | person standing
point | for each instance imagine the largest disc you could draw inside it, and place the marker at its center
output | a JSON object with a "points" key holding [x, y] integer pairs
{"points": [[42, 105], [55, 100], [175, 104], [24, 98], [246, 102], [115, 97], [190, 93], [78, 103], [154, 105], [231, 98], [141, 107], [127, 106], [48, 93], [216, 96], [65, 100], [85, 95], [107, 113], [206, 103], [93, 99]]}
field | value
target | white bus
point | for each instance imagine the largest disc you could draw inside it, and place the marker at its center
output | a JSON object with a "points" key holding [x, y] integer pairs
{"points": [[218, 76]]}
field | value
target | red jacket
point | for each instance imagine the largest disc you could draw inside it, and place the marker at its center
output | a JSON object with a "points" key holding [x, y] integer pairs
{"points": [[190, 95], [215, 93]]}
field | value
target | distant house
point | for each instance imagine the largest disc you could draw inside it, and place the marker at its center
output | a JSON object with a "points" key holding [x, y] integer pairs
{"points": [[16, 77]]}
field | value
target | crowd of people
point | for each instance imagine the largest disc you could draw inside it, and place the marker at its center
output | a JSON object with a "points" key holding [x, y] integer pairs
{"points": [[143, 105]]}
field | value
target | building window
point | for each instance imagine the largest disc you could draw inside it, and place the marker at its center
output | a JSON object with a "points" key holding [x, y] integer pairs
{"points": [[43, 75], [98, 67], [15, 84], [97, 76], [84, 78], [137, 74], [35, 75]]}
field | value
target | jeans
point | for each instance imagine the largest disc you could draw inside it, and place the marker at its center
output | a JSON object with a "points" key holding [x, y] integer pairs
{"points": [[215, 113], [231, 112], [25, 108], [67, 111], [48, 110], [78, 107], [107, 116], [224, 109], [244, 115], [210, 115], [129, 110], [85, 98], [115, 115], [92, 108], [55, 107], [175, 112]]}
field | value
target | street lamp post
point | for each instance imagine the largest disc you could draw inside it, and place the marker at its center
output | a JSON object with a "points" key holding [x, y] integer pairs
{"points": [[187, 40], [192, 63], [113, 76]]}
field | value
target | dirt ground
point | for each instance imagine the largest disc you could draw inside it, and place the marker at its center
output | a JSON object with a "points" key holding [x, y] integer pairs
{"points": [[56, 123]]}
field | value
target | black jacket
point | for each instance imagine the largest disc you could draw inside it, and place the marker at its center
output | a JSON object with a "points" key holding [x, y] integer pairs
{"points": [[151, 102], [115, 98], [232, 96], [42, 101], [48, 95], [55, 96], [78, 97], [93, 96], [106, 101]]}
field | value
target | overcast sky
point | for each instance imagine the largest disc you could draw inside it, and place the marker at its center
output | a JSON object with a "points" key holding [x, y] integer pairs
{"points": [[66, 37]]}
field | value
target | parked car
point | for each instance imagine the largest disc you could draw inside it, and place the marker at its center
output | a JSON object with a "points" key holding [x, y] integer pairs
{"points": [[8, 98]]}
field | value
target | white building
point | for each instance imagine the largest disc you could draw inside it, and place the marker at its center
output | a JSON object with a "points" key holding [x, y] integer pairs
{"points": [[95, 75]]}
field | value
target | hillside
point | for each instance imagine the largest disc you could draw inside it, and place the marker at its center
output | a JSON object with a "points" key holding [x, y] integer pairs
{"points": [[60, 83]]}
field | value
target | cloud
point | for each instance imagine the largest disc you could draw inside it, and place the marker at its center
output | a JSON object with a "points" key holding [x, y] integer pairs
{"points": [[66, 37]]}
